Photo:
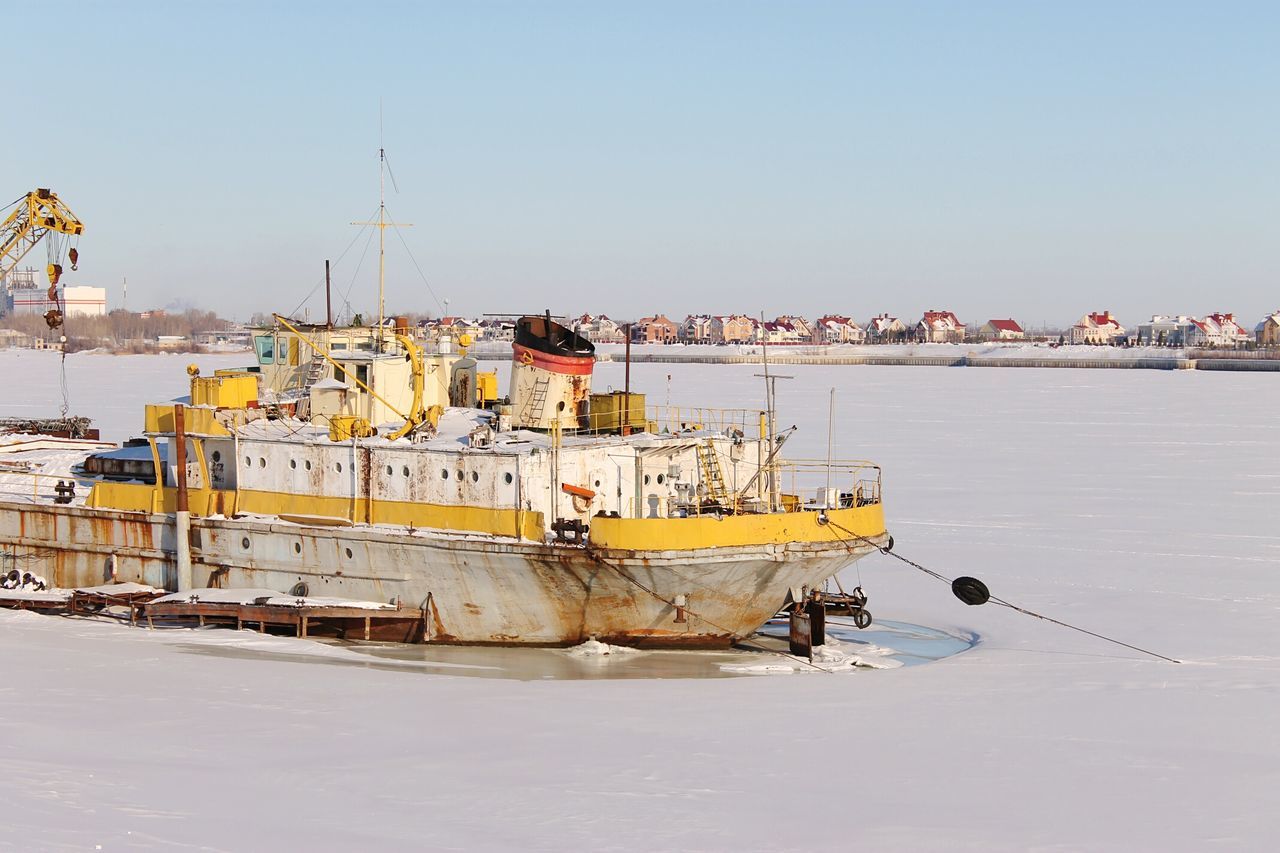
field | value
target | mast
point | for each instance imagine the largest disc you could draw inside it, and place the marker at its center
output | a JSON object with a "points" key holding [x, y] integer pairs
{"points": [[382, 233]]}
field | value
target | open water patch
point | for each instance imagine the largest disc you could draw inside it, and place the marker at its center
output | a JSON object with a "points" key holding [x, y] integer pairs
{"points": [[883, 645]]}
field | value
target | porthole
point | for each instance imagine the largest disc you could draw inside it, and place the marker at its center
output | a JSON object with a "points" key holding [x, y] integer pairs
{"points": [[307, 464], [661, 478], [248, 463], [507, 478], [646, 479], [244, 543], [405, 470], [597, 484], [461, 476], [217, 456], [337, 466], [444, 473], [560, 406], [262, 462], [388, 470], [293, 463], [297, 547], [348, 553], [475, 476]]}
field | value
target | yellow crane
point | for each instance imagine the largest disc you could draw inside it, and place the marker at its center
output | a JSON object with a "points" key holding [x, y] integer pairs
{"points": [[35, 215]]}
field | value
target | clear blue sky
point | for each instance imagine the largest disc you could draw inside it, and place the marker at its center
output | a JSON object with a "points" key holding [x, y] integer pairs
{"points": [[1032, 160]]}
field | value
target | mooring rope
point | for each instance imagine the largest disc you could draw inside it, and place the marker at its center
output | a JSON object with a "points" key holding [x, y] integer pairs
{"points": [[891, 553]]}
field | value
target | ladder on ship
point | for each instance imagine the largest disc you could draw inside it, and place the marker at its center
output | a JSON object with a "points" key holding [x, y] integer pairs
{"points": [[533, 406], [315, 370], [712, 476]]}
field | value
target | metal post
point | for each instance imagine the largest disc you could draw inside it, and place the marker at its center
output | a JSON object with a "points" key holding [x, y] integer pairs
{"points": [[626, 384], [328, 298], [182, 517], [831, 416]]}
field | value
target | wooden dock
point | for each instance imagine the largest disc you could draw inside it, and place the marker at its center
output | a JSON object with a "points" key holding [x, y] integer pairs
{"points": [[275, 614]]}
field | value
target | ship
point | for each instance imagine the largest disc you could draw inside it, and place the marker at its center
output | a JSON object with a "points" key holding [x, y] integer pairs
{"points": [[371, 467]]}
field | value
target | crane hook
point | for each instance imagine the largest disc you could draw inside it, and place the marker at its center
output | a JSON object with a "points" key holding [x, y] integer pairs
{"points": [[74, 256]]}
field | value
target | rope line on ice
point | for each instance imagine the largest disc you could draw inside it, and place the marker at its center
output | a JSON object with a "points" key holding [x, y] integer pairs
{"points": [[974, 592]]}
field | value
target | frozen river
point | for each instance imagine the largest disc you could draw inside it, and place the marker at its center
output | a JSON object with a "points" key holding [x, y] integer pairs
{"points": [[1139, 504]]}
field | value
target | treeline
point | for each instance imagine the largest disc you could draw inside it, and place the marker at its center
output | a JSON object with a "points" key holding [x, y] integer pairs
{"points": [[122, 330]]}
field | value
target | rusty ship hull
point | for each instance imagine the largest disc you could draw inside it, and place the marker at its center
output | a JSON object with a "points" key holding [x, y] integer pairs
{"points": [[471, 589]]}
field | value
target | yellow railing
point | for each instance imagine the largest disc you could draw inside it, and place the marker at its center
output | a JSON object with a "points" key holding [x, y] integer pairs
{"points": [[679, 418]]}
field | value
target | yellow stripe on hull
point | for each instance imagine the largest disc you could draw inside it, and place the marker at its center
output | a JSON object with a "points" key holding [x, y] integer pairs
{"points": [[699, 532]]}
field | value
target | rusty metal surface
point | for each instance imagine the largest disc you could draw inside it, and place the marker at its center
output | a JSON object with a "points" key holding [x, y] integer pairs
{"points": [[475, 589]]}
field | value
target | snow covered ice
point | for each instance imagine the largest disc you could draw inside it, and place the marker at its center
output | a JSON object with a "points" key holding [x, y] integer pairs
{"points": [[1138, 504]]}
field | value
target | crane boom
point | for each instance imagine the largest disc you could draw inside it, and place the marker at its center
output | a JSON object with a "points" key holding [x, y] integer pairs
{"points": [[38, 213]]}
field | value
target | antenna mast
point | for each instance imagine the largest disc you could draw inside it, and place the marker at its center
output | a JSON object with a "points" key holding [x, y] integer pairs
{"points": [[382, 225]]}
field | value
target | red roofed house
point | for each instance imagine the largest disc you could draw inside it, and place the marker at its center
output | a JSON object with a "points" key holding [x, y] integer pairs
{"points": [[1230, 333], [939, 327], [1097, 329], [1001, 330], [883, 329], [833, 329], [655, 330]]}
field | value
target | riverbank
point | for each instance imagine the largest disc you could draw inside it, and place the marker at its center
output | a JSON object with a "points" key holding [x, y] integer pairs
{"points": [[932, 355]]}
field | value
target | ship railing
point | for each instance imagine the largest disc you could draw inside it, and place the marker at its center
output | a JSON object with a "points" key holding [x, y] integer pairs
{"points": [[677, 419], [853, 482], [17, 483], [802, 485]]}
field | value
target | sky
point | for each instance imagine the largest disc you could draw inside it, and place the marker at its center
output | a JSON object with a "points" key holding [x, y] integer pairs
{"points": [[997, 159]]}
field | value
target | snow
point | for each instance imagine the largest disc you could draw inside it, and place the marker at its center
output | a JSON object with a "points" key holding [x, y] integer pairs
{"points": [[1138, 504], [269, 597]]}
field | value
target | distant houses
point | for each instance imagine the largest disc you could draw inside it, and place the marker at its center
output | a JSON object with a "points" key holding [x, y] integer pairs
{"points": [[1097, 328], [1217, 330], [939, 327], [1267, 333], [658, 329], [883, 329], [1001, 330], [834, 329]]}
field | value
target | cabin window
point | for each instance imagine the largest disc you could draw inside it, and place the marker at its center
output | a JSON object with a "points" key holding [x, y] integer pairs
{"points": [[348, 553], [646, 479], [216, 456], [248, 463], [265, 345], [337, 466], [244, 543], [459, 475], [362, 373], [389, 471], [307, 464], [297, 547], [338, 345], [444, 473], [597, 484], [293, 463], [475, 476], [262, 462], [661, 477], [405, 470], [507, 478]]}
